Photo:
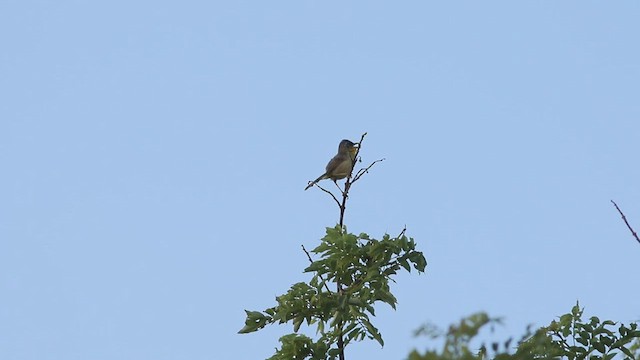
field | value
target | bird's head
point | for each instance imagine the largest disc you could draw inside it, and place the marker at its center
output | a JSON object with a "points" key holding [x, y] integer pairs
{"points": [[348, 147]]}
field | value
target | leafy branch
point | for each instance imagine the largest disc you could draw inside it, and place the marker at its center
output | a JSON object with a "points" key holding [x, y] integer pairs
{"points": [[364, 267]]}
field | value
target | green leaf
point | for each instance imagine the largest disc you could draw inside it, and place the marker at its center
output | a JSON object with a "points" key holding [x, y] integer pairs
{"points": [[296, 323], [565, 320], [387, 297], [577, 350], [598, 346], [247, 329], [405, 264], [315, 266], [255, 320], [627, 352], [373, 332], [418, 260], [607, 340], [370, 309], [575, 311]]}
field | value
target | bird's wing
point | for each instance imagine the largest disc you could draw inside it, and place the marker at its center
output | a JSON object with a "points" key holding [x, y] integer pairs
{"points": [[334, 163], [339, 167]]}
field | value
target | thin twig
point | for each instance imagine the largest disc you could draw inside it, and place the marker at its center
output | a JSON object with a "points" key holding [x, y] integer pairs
{"points": [[402, 232], [365, 170], [330, 193], [635, 235], [320, 276], [306, 252], [358, 150]]}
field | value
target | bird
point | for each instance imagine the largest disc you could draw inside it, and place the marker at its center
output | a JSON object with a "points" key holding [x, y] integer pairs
{"points": [[340, 166]]}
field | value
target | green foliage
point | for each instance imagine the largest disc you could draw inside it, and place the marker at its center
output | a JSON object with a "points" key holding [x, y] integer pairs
{"points": [[566, 338], [456, 340], [302, 346], [351, 275], [592, 339]]}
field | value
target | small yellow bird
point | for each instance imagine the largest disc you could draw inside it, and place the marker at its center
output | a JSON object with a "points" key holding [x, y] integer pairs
{"points": [[341, 165]]}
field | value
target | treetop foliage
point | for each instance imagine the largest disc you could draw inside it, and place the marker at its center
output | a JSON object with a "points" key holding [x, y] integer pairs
{"points": [[364, 267]]}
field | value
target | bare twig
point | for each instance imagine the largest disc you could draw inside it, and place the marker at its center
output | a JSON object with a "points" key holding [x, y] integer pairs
{"points": [[306, 252], [320, 276], [365, 170], [635, 235], [330, 193], [404, 229], [359, 147]]}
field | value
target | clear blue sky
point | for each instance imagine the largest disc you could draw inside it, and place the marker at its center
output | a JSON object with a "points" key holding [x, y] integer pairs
{"points": [[154, 156]]}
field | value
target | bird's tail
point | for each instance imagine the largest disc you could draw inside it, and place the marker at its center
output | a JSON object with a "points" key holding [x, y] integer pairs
{"points": [[315, 181]]}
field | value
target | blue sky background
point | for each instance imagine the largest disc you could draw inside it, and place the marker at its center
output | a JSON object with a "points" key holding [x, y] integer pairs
{"points": [[154, 156]]}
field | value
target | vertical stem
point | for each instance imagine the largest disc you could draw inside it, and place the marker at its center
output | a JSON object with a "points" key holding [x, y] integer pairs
{"points": [[343, 207]]}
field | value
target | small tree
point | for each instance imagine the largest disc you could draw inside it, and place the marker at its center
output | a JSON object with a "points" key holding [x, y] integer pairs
{"points": [[358, 268]]}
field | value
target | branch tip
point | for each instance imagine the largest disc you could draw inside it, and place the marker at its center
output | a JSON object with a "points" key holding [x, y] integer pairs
{"points": [[624, 218]]}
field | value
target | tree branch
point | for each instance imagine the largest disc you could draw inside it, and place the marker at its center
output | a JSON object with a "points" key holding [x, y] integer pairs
{"points": [[365, 170], [635, 235], [330, 193]]}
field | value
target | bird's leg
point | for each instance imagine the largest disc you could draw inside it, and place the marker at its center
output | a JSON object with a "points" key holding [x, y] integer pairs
{"points": [[339, 188], [336, 182]]}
